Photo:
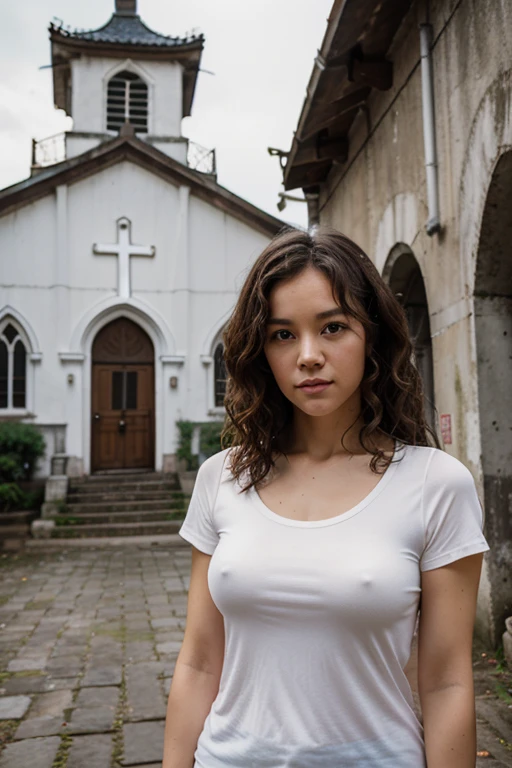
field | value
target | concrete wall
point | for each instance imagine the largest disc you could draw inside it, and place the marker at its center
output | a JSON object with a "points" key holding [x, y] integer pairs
{"points": [[379, 199], [62, 293]]}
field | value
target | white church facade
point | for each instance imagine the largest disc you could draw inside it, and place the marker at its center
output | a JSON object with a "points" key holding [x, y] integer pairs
{"points": [[120, 260]]}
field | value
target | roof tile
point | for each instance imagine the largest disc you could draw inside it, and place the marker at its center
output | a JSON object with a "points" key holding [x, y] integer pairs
{"points": [[125, 30]]}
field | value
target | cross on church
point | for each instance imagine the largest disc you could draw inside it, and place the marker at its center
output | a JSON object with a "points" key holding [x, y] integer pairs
{"points": [[123, 249]]}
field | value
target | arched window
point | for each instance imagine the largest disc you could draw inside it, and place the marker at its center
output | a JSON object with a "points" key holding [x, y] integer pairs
{"points": [[127, 101], [220, 375], [13, 369]]}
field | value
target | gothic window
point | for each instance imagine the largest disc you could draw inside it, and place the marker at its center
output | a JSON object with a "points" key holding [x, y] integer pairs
{"points": [[220, 375], [13, 369], [127, 101]]}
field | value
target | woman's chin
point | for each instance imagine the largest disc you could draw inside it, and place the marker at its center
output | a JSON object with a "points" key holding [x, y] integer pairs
{"points": [[317, 409]]}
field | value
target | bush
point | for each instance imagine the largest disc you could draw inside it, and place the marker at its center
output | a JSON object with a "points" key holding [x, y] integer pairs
{"points": [[11, 496], [21, 445], [209, 440], [186, 429], [10, 469]]}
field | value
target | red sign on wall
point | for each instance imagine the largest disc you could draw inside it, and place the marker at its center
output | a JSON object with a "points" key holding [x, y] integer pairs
{"points": [[446, 428]]}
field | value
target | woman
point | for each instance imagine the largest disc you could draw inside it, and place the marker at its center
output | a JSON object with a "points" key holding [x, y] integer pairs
{"points": [[316, 534]]}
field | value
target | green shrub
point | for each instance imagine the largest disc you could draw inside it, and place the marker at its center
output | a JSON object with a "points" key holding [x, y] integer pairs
{"points": [[209, 440], [21, 445], [186, 429], [11, 496], [32, 499], [10, 469]]}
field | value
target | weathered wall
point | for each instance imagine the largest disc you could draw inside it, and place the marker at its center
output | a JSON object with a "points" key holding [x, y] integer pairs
{"points": [[379, 199]]}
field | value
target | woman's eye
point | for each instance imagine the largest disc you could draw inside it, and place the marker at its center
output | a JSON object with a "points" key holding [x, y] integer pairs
{"points": [[334, 327], [279, 337]]}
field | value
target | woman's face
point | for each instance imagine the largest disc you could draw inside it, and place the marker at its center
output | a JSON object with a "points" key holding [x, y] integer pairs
{"points": [[309, 337]]}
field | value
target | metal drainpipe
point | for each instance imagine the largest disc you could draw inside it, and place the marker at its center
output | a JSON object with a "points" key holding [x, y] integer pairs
{"points": [[429, 133]]}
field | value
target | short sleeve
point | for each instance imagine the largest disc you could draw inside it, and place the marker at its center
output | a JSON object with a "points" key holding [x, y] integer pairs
{"points": [[452, 514], [198, 528]]}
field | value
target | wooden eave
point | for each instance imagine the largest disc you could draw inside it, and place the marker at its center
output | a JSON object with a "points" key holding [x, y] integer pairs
{"points": [[350, 64], [65, 48], [136, 151]]}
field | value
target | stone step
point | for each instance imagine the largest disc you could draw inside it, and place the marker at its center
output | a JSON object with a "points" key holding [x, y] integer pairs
{"points": [[126, 477], [116, 495], [87, 487], [123, 506], [14, 531], [17, 518], [149, 541], [104, 518], [116, 529]]}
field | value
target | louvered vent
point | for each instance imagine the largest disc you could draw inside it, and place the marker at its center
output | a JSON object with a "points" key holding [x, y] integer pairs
{"points": [[127, 101]]}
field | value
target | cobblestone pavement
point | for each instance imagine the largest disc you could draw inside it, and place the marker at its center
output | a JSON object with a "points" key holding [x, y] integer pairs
{"points": [[88, 643]]}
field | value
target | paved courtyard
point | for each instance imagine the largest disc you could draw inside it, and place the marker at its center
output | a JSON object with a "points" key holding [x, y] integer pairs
{"points": [[88, 643]]}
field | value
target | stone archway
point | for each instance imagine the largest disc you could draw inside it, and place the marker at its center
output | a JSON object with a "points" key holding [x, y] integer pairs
{"points": [[403, 275], [493, 330]]}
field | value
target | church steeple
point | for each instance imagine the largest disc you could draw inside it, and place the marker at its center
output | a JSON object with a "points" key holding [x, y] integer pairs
{"points": [[124, 45], [126, 7]]}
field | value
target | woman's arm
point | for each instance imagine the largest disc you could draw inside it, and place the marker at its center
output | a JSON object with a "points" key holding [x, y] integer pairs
{"points": [[198, 670], [445, 669]]}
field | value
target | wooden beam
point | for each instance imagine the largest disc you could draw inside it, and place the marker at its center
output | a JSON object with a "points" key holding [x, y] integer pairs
{"points": [[332, 148], [376, 74], [333, 111], [307, 175], [321, 148]]}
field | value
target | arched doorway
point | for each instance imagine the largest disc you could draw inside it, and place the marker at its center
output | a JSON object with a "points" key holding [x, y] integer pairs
{"points": [[403, 275], [493, 328], [123, 398]]}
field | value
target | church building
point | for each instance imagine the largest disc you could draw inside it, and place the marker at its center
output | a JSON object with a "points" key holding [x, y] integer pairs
{"points": [[404, 143], [121, 257]]}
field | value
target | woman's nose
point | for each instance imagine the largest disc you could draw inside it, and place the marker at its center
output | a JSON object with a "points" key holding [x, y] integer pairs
{"points": [[310, 354]]}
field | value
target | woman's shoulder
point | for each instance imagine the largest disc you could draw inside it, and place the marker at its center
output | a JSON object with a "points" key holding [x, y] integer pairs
{"points": [[214, 465], [438, 465]]}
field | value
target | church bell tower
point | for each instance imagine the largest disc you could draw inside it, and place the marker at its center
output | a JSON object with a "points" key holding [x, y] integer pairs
{"points": [[124, 77]]}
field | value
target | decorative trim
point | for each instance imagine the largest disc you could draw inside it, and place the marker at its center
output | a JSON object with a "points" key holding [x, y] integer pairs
{"points": [[113, 307], [71, 357], [16, 413], [173, 359], [206, 359]]}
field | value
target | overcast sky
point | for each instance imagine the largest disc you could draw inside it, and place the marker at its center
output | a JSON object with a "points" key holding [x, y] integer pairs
{"points": [[261, 52]]}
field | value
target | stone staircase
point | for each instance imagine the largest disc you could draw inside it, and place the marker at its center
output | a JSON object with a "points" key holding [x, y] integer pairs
{"points": [[15, 529], [127, 504]]}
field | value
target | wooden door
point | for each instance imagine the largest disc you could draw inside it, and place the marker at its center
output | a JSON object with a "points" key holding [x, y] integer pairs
{"points": [[122, 398]]}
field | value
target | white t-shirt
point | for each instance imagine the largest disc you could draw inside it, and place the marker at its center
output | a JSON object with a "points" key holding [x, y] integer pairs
{"points": [[319, 616]]}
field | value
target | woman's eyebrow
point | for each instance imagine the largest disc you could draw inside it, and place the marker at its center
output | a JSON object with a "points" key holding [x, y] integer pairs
{"points": [[320, 316]]}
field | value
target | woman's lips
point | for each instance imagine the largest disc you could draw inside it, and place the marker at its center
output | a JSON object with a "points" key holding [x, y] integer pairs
{"points": [[312, 389]]}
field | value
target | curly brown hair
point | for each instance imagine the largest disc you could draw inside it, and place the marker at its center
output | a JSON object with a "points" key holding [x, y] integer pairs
{"points": [[392, 400]]}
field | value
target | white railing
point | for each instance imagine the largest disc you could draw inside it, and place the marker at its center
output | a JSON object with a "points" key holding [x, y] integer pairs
{"points": [[49, 151], [201, 159]]}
